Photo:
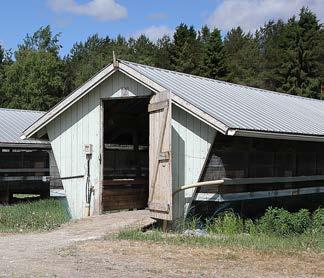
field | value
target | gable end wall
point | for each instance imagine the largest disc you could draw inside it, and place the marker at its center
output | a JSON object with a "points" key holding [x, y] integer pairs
{"points": [[80, 125]]}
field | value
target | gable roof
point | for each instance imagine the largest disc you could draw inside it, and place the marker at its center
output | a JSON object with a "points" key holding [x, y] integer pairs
{"points": [[230, 108], [241, 107], [12, 124]]}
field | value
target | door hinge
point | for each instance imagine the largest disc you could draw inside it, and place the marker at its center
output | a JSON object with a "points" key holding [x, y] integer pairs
{"points": [[164, 156], [159, 207]]}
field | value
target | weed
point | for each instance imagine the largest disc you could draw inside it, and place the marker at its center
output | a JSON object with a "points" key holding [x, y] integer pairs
{"points": [[277, 230], [33, 216]]}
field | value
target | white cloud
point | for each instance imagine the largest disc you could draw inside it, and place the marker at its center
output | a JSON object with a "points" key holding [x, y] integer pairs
{"points": [[251, 14], [155, 32], [100, 9]]}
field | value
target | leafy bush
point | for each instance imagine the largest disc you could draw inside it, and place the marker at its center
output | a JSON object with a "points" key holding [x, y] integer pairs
{"points": [[282, 223], [39, 215], [275, 221], [226, 223], [277, 229], [318, 220]]}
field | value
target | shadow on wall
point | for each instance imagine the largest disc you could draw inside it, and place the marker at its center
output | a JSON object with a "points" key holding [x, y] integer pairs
{"points": [[178, 173]]}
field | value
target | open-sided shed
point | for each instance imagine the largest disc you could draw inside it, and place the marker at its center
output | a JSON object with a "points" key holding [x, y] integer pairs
{"points": [[23, 163], [135, 136]]}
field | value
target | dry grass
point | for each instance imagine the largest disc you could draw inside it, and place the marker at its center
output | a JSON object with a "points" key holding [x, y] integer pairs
{"points": [[148, 259]]}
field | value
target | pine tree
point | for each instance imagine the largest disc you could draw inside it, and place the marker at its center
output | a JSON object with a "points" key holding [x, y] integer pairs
{"points": [[185, 53], [5, 61], [163, 53], [214, 56], [272, 41], [86, 59], [143, 51], [301, 67], [243, 58], [2, 95]]}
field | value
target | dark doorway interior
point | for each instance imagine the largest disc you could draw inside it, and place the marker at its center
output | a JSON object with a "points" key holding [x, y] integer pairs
{"points": [[22, 171], [126, 154]]}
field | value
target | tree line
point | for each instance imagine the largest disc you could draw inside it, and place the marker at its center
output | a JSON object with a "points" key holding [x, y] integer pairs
{"points": [[285, 56]]}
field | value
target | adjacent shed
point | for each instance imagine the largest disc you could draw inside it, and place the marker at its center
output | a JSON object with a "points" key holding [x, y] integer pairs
{"points": [[135, 136], [23, 163]]}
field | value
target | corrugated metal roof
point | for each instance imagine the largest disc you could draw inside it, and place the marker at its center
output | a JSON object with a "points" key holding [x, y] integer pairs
{"points": [[13, 122], [241, 107]]}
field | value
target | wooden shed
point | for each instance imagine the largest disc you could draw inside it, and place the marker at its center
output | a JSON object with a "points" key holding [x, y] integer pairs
{"points": [[135, 136]]}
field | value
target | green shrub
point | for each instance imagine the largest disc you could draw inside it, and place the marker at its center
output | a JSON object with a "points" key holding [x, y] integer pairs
{"points": [[190, 223], [277, 229], [38, 215], [275, 221], [318, 220], [226, 223], [282, 223], [250, 227]]}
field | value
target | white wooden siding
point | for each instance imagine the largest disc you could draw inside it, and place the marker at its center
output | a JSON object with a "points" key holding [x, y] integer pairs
{"points": [[80, 125], [191, 142]]}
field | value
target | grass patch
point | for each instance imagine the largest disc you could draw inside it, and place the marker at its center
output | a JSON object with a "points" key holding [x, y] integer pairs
{"points": [[40, 215], [277, 230], [307, 242]]}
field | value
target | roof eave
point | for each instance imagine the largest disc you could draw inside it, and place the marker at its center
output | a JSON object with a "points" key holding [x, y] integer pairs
{"points": [[25, 145], [275, 135]]}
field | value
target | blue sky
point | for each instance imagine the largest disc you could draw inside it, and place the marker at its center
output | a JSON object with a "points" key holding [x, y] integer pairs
{"points": [[77, 19]]}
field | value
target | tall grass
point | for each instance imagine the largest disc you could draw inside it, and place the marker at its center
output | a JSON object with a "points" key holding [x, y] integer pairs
{"points": [[277, 229], [32, 216]]}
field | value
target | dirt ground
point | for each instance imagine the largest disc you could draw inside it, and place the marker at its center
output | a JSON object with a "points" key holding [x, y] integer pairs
{"points": [[79, 250]]}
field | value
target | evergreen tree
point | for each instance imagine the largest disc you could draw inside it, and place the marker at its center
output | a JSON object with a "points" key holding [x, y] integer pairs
{"points": [[185, 54], [204, 35], [86, 59], [163, 53], [142, 50], [280, 56], [302, 66], [243, 58], [2, 94], [272, 41], [214, 55]]}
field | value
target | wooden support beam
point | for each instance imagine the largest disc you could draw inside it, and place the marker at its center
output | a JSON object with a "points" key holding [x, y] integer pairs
{"points": [[22, 178], [230, 197], [25, 170], [243, 181], [158, 106], [125, 181]]}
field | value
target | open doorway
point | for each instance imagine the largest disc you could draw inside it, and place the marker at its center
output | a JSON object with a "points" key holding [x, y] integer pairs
{"points": [[125, 154]]}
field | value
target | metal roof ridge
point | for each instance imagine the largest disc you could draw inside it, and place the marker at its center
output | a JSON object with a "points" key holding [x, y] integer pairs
{"points": [[223, 82]]}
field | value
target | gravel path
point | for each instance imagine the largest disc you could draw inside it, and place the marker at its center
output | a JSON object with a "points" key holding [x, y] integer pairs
{"points": [[79, 250], [24, 254]]}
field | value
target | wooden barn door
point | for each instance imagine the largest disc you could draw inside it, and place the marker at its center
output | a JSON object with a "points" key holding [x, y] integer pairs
{"points": [[160, 190]]}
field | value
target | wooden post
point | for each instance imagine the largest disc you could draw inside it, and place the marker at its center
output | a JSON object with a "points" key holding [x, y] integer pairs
{"points": [[165, 226]]}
